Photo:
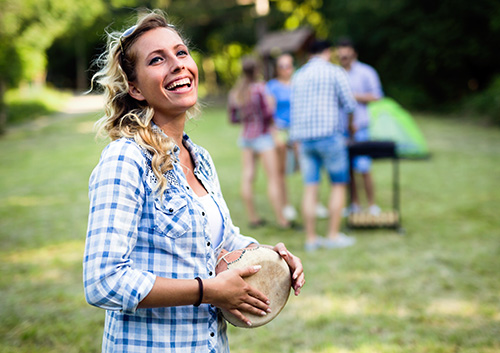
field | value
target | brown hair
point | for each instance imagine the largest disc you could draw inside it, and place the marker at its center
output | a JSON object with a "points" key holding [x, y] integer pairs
{"points": [[240, 92]]}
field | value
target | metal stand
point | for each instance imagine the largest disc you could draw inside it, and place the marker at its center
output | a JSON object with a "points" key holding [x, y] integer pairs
{"points": [[388, 219]]}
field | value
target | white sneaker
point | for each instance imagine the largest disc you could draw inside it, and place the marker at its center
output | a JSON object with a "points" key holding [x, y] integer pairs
{"points": [[353, 208], [341, 241], [374, 210], [289, 213], [321, 211], [315, 245]]}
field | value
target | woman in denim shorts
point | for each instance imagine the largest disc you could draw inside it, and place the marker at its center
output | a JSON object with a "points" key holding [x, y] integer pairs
{"points": [[249, 105]]}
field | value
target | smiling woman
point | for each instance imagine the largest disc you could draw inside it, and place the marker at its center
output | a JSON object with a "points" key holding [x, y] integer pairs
{"points": [[158, 220], [168, 74]]}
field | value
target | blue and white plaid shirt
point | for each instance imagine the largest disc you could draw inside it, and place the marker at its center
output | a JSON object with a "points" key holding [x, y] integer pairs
{"points": [[134, 235], [319, 90]]}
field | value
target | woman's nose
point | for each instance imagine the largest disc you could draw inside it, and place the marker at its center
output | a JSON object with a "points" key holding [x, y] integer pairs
{"points": [[177, 64]]}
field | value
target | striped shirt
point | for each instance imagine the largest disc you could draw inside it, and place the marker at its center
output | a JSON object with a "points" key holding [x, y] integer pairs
{"points": [[135, 235], [319, 90]]}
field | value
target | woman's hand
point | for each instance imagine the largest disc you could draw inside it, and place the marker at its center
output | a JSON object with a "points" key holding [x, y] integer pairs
{"points": [[230, 292], [298, 278]]}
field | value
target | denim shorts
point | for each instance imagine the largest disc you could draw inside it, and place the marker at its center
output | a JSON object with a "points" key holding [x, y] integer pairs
{"points": [[330, 153], [259, 144], [362, 164]]}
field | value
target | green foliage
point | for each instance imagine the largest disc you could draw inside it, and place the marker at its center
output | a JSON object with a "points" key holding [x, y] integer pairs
{"points": [[427, 53], [10, 22], [28, 29], [304, 13], [436, 48], [433, 290], [486, 102]]}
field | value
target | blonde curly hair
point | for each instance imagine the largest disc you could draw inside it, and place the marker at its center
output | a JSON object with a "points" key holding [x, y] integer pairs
{"points": [[125, 116]]}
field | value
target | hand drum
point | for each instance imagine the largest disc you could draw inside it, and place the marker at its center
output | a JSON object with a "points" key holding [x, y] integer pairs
{"points": [[273, 279]]}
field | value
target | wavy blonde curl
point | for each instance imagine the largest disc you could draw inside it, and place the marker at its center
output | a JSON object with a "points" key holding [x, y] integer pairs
{"points": [[125, 116]]}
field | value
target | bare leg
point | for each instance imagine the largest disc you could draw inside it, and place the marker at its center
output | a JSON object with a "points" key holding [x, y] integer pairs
{"points": [[281, 150], [337, 201], [309, 202], [248, 177], [354, 190], [270, 162], [370, 190]]}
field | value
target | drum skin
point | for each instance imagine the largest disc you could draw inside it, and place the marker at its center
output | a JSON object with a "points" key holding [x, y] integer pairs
{"points": [[273, 279]]}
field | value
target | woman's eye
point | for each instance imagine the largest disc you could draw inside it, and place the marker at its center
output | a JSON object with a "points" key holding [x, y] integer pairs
{"points": [[182, 53], [155, 60]]}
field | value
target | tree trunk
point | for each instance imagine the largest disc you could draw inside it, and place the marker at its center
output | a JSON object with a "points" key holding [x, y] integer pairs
{"points": [[81, 64], [3, 108]]}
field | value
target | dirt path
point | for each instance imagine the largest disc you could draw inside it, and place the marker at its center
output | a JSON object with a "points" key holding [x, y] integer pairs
{"points": [[76, 106], [80, 104]]}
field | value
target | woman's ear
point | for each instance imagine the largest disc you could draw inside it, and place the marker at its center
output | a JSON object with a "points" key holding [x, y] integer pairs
{"points": [[135, 92]]}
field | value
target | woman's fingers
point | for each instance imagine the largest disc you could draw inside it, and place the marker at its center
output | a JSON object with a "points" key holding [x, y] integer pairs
{"points": [[248, 271], [256, 298], [241, 317], [246, 308], [298, 278], [231, 292], [260, 302]]}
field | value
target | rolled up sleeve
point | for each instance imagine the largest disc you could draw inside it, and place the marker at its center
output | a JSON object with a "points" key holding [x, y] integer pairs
{"points": [[116, 196]]}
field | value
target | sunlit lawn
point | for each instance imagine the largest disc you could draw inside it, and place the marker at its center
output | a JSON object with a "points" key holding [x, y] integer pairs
{"points": [[436, 289]]}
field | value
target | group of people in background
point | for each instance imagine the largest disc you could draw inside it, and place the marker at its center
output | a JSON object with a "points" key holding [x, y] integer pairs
{"points": [[158, 221], [312, 113]]}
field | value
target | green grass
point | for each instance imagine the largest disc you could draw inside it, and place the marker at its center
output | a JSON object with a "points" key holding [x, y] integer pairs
{"points": [[436, 289]]}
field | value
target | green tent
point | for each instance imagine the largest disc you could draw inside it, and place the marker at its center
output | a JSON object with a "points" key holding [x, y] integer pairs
{"points": [[390, 121]]}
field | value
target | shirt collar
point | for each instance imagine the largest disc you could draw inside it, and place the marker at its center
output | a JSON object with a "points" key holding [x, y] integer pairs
{"points": [[317, 58], [157, 129], [193, 150]]}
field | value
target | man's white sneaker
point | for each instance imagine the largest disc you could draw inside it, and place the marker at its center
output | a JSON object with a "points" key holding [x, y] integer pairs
{"points": [[353, 208], [315, 245], [374, 210]]}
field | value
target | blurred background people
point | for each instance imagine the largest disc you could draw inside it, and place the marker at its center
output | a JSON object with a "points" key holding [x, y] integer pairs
{"points": [[366, 87], [249, 104], [320, 90], [279, 88]]}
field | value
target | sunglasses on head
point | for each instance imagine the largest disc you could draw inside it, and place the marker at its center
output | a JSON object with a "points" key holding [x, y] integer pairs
{"points": [[129, 32], [124, 35]]}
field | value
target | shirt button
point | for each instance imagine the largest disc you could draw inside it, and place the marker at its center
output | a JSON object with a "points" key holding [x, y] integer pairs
{"points": [[203, 213], [187, 187], [170, 210], [212, 334], [210, 273], [208, 243]]}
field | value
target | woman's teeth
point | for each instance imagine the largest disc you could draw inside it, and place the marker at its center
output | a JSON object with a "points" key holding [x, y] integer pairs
{"points": [[181, 82]]}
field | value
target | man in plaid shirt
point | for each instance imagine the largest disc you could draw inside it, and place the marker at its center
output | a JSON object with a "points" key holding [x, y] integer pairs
{"points": [[320, 90]]}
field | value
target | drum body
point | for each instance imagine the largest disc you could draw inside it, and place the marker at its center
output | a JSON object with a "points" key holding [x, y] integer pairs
{"points": [[273, 279]]}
